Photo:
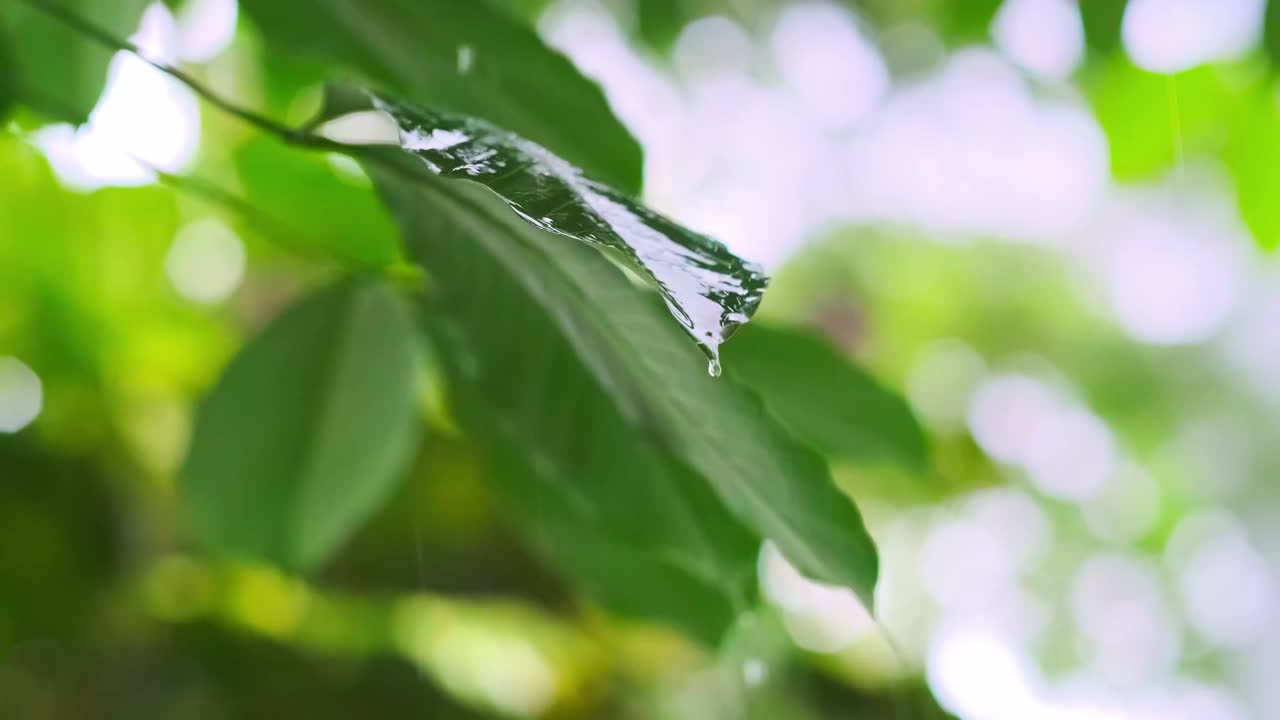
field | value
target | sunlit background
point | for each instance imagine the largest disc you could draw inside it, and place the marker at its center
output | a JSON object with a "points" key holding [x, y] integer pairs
{"points": [[1053, 253]]}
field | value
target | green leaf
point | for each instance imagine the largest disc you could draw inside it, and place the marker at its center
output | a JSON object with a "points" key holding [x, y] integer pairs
{"points": [[963, 23], [1102, 20], [517, 307], [708, 289], [1252, 155], [8, 76], [328, 208], [1271, 33], [59, 63], [308, 431], [659, 22], [824, 399], [1150, 118], [467, 57], [692, 566]]}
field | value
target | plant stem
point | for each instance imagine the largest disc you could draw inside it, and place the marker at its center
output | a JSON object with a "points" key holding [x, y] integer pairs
{"points": [[106, 39]]}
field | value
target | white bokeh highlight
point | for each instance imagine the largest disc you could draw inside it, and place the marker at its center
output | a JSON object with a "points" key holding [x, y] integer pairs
{"points": [[1169, 36], [206, 28], [206, 262], [21, 395], [144, 120], [1127, 629], [1227, 588], [828, 64], [1045, 37]]}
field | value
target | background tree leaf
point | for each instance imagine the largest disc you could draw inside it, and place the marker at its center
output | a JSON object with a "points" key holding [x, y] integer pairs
{"points": [[308, 431], [328, 201], [464, 56], [506, 285], [1252, 154], [1271, 33], [708, 289], [8, 76], [1144, 135], [1102, 20], [967, 22], [59, 62], [659, 22], [825, 399]]}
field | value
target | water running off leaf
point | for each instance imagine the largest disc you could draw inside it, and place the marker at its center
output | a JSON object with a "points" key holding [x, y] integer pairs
{"points": [[707, 288]]}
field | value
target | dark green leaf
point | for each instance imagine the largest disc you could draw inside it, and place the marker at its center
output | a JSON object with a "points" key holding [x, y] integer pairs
{"points": [[1271, 32], [824, 399], [59, 63], [691, 566], [8, 76], [600, 498], [529, 10], [516, 303], [309, 430], [659, 22], [1102, 20], [708, 289], [968, 21], [464, 56]]}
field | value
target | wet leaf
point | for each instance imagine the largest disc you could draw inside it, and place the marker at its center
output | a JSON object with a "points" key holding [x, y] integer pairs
{"points": [[309, 430], [708, 289], [468, 57], [578, 370], [60, 63], [826, 400]]}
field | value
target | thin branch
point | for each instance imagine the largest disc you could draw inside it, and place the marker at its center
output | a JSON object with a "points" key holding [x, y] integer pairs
{"points": [[103, 37], [302, 138], [279, 231]]}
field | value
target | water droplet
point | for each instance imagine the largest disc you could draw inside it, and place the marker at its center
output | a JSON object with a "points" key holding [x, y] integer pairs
{"points": [[754, 672], [466, 59], [713, 367]]}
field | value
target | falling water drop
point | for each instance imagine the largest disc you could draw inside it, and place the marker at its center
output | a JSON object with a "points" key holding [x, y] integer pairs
{"points": [[713, 367]]}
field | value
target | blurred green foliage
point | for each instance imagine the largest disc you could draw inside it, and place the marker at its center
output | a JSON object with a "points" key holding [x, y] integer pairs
{"points": [[534, 471]]}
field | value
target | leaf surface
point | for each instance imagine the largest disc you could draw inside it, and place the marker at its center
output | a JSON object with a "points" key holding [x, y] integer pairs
{"points": [[309, 430], [824, 399], [708, 289], [328, 208], [578, 370], [8, 76], [469, 57]]}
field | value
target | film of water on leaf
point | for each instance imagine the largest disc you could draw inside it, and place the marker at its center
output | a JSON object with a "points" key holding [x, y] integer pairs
{"points": [[707, 288]]}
